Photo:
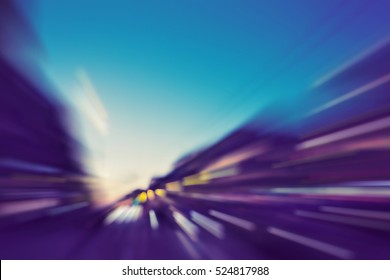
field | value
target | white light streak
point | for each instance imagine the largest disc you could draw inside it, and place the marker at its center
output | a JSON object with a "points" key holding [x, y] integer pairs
{"points": [[346, 133], [312, 243], [233, 220], [208, 224]]}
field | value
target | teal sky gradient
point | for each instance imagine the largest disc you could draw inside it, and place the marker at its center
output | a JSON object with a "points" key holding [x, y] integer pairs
{"points": [[175, 75]]}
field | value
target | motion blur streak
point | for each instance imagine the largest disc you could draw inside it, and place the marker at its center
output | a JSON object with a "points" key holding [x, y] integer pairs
{"points": [[153, 220], [378, 82], [358, 212], [233, 220], [330, 249], [350, 132], [308, 182]]}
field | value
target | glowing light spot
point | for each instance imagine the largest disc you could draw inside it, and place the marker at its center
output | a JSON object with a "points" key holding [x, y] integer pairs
{"points": [[142, 197], [150, 195], [160, 192], [173, 186]]}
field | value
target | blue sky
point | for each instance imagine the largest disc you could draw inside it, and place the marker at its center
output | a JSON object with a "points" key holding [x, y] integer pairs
{"points": [[176, 75]]}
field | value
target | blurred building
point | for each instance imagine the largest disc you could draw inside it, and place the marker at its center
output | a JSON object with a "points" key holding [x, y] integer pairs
{"points": [[39, 158]]}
